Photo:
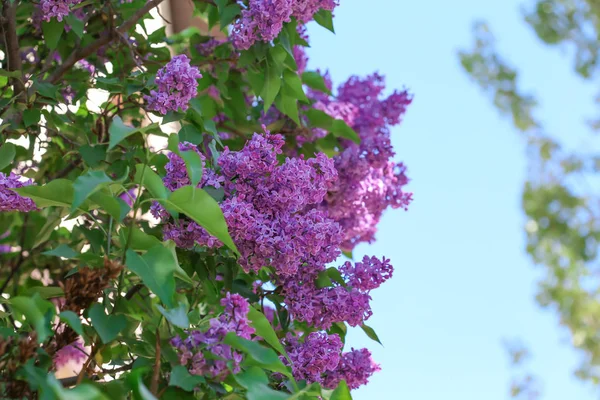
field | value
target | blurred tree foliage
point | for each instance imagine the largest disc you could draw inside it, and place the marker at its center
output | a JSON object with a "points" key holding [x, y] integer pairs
{"points": [[561, 197]]}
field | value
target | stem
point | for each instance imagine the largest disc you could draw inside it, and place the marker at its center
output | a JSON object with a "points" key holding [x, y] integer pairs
{"points": [[11, 40]]}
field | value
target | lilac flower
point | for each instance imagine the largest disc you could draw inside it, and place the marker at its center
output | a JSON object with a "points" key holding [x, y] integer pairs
{"points": [[129, 196], [191, 350], [73, 352], [87, 66], [207, 48], [177, 85], [56, 8], [318, 354], [10, 200], [368, 274], [262, 22], [68, 94], [304, 10], [355, 367]]}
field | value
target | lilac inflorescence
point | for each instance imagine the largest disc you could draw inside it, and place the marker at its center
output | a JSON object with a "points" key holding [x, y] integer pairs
{"points": [[261, 22], [56, 8], [191, 351], [177, 85], [10, 200], [355, 367], [318, 354], [304, 10]]}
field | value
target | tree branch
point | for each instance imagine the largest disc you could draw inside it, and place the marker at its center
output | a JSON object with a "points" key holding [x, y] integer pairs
{"points": [[11, 40], [81, 53]]}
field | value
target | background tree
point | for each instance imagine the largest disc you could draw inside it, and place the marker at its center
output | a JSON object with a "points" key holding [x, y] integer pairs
{"points": [[561, 197]]}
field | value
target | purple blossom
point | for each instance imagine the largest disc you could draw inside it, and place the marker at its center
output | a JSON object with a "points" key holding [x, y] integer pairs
{"points": [[56, 8], [355, 367], [87, 66], [304, 10], [191, 351], [261, 22], [10, 200], [368, 274], [68, 94], [177, 85], [73, 352], [317, 354], [129, 196], [207, 48]]}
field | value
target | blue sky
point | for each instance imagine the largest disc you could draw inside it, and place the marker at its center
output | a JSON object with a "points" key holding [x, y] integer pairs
{"points": [[463, 282]]}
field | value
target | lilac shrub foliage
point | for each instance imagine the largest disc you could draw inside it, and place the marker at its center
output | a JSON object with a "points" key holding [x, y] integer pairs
{"points": [[221, 266]]}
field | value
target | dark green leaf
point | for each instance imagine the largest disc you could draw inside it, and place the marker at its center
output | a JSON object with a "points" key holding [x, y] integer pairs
{"points": [[341, 392], [260, 355], [189, 133], [7, 155], [93, 155], [35, 311], [271, 86], [72, 319], [325, 19], [293, 83], [256, 382], [156, 269], [177, 316], [180, 377], [85, 185], [52, 32], [76, 24], [264, 329], [118, 131], [63, 251], [315, 81], [58, 192], [107, 326], [151, 181], [31, 116], [371, 333], [204, 210]]}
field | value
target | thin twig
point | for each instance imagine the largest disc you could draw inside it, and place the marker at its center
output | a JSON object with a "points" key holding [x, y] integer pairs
{"points": [[11, 40], [156, 372]]}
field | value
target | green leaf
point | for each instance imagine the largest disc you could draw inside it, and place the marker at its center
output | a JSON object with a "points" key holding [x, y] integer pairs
{"points": [[203, 209], [227, 14], [265, 330], [93, 155], [80, 392], [341, 129], [260, 355], [45, 292], [180, 377], [7, 155], [325, 19], [192, 159], [341, 392], [58, 192], [85, 185], [371, 333], [110, 204], [315, 81], [323, 280], [189, 133], [156, 269], [271, 86], [177, 316], [72, 319], [76, 24], [293, 83], [63, 251], [140, 241], [255, 381], [35, 311], [338, 127], [52, 222], [172, 116], [52, 32], [151, 181], [107, 326], [288, 105], [118, 131], [31, 116]]}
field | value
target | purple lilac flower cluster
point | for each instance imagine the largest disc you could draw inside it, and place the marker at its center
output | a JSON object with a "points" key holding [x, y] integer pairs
{"points": [[10, 200], [73, 352], [177, 85], [269, 208], [355, 367], [369, 180], [317, 354], [56, 8], [191, 351], [264, 19], [304, 10]]}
